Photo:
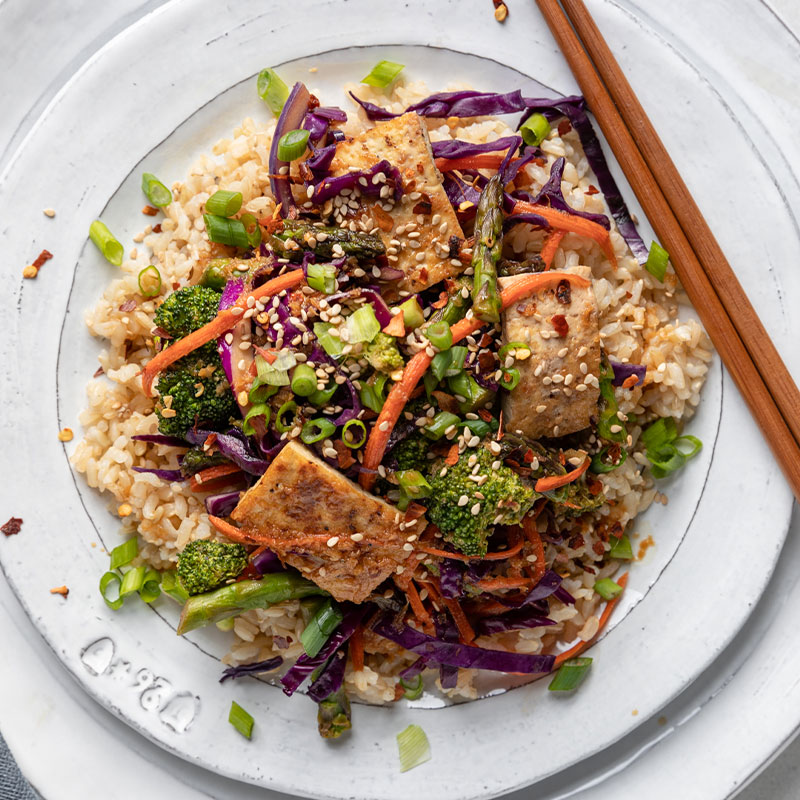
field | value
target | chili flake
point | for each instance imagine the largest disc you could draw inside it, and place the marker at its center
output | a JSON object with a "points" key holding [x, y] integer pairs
{"points": [[12, 527], [62, 590], [560, 324]]}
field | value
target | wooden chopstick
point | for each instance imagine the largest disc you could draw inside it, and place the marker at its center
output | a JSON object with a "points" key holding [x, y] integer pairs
{"points": [[713, 314], [762, 351]]}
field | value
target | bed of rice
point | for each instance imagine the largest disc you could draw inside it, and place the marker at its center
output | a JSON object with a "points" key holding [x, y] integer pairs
{"points": [[639, 323]]}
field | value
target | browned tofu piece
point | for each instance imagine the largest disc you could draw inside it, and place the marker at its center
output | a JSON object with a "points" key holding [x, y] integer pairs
{"points": [[345, 540], [558, 389], [423, 209]]}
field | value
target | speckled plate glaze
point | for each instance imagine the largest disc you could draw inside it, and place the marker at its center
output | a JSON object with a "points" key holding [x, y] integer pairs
{"points": [[123, 114]]}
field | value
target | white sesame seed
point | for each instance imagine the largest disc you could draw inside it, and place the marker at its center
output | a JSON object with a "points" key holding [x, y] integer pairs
{"points": [[615, 428], [541, 409], [356, 537], [583, 368], [563, 351], [408, 547], [568, 379], [463, 500], [237, 310], [475, 510], [384, 426], [474, 441], [580, 387], [333, 541]]}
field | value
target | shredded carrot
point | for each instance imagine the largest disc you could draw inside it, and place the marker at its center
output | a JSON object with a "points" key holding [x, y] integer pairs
{"points": [[217, 485], [219, 471], [499, 555], [420, 612], [460, 618], [490, 584], [555, 481], [267, 355], [479, 161], [532, 535], [357, 648], [551, 246], [452, 456], [396, 327], [604, 617], [561, 220], [224, 321], [250, 536]]}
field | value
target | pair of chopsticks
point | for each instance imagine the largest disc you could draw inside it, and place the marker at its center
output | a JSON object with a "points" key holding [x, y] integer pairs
{"points": [[723, 307]]}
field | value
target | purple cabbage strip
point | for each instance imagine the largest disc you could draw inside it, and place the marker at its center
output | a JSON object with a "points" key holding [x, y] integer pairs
{"points": [[624, 371], [446, 631], [171, 475], [234, 445], [414, 669], [467, 103], [266, 562], [330, 187], [230, 294], [513, 620], [451, 578], [459, 191], [160, 438], [355, 405], [331, 678], [317, 122], [241, 670], [528, 219], [221, 505], [382, 313], [456, 654], [457, 148], [320, 161], [564, 596], [305, 665], [291, 117]]}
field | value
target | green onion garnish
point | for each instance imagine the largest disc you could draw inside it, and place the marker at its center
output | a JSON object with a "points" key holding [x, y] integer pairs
{"points": [[475, 396], [157, 194], [224, 203], [412, 689], [353, 440], [226, 231], [662, 431], [304, 380], [252, 228], [321, 277], [656, 263], [106, 581], [570, 675], [292, 145], [477, 426], [413, 486], [132, 581], [621, 549], [272, 374], [440, 335], [371, 393], [609, 425], [382, 74], [602, 463], [272, 90], [362, 325], [330, 344], [322, 624], [151, 586], [439, 424], [257, 410], [150, 281], [281, 424], [412, 313], [124, 553], [662, 442], [413, 747], [607, 589], [535, 129], [315, 430], [322, 397], [173, 587], [106, 243], [510, 378], [515, 346], [449, 363], [259, 393], [241, 720], [226, 625]]}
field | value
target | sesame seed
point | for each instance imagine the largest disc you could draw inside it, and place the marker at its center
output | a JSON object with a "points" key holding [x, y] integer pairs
{"points": [[356, 537], [475, 510], [496, 465], [463, 500], [49, 212], [568, 379], [558, 379], [242, 398], [615, 428], [408, 547], [384, 426], [125, 510], [65, 435], [531, 558], [541, 409], [420, 257], [582, 352], [563, 351], [580, 387], [547, 380], [583, 368], [333, 541], [237, 310], [474, 441], [495, 447]]}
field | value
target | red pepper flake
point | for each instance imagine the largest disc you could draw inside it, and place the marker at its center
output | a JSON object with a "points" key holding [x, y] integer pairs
{"points": [[500, 430], [528, 457], [598, 548], [271, 224], [593, 485], [150, 211], [577, 541], [564, 127], [210, 441], [98, 372], [446, 401], [527, 310], [175, 286], [313, 102], [452, 456], [128, 305], [484, 415], [45, 255], [62, 590], [424, 206], [383, 220], [414, 511], [630, 381], [560, 324], [157, 228], [399, 691], [442, 301], [540, 162], [344, 455], [485, 341], [592, 189], [564, 293], [12, 527], [486, 361]]}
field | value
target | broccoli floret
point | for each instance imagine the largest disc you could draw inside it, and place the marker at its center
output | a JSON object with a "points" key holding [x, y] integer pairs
{"points": [[204, 565], [198, 459], [506, 498], [412, 452], [187, 309], [382, 353]]}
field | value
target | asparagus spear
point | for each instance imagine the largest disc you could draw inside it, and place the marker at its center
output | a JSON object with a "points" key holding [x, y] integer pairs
{"points": [[228, 601], [333, 715], [321, 241], [486, 251], [456, 306]]}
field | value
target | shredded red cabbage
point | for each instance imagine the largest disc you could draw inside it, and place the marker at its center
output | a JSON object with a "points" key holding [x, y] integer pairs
{"points": [[230, 294], [294, 110], [455, 654], [624, 371], [446, 631], [564, 596], [331, 677], [414, 669], [457, 148], [451, 578], [320, 161], [172, 475], [513, 620], [251, 669], [234, 445], [330, 187], [221, 505], [318, 121], [266, 562]]}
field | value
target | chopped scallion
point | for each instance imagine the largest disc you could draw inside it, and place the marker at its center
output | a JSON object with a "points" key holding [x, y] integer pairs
{"points": [[226, 231], [330, 344], [535, 129], [350, 438], [656, 263], [412, 689], [362, 325], [510, 378], [252, 229], [106, 243], [272, 374], [224, 203], [157, 194], [257, 410], [304, 381], [322, 397], [607, 589], [439, 424], [412, 313], [322, 624], [282, 425], [413, 747], [241, 720], [603, 462], [383, 74], [292, 145], [413, 486], [570, 674], [124, 553], [513, 346], [449, 363], [150, 281], [371, 393], [321, 277], [315, 430], [272, 90], [111, 580], [621, 549], [151, 586], [132, 581], [173, 587], [440, 335]]}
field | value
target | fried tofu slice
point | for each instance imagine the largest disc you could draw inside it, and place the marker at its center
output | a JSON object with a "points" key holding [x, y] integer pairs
{"points": [[559, 387], [423, 209], [316, 520]]}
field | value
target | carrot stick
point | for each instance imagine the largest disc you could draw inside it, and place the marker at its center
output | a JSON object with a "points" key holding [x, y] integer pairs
{"points": [[357, 648], [532, 534], [490, 584], [499, 555], [551, 246], [604, 617], [251, 536], [460, 618], [569, 222], [479, 161], [555, 481], [420, 612], [224, 321]]}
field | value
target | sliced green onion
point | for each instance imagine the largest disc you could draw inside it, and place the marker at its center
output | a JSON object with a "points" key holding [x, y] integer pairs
{"points": [[608, 418], [477, 426], [106, 243], [570, 674], [535, 129], [656, 263], [383, 73], [132, 581], [664, 460], [362, 325], [440, 335], [272, 374], [515, 346], [105, 582], [252, 228], [304, 381], [601, 462], [449, 363], [697, 445], [292, 145], [662, 431], [124, 553], [348, 436], [224, 203], [150, 281], [330, 344], [510, 378], [272, 90], [321, 277], [157, 194], [322, 624], [430, 382], [173, 587], [443, 421], [259, 392], [413, 747], [241, 720], [413, 486], [412, 689], [322, 397], [621, 549], [475, 396], [371, 392], [151, 586], [257, 410], [214, 276], [226, 231], [607, 589], [412, 313], [289, 407], [315, 430]]}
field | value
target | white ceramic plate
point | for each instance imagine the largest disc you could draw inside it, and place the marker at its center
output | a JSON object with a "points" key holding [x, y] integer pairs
{"points": [[164, 686]]}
